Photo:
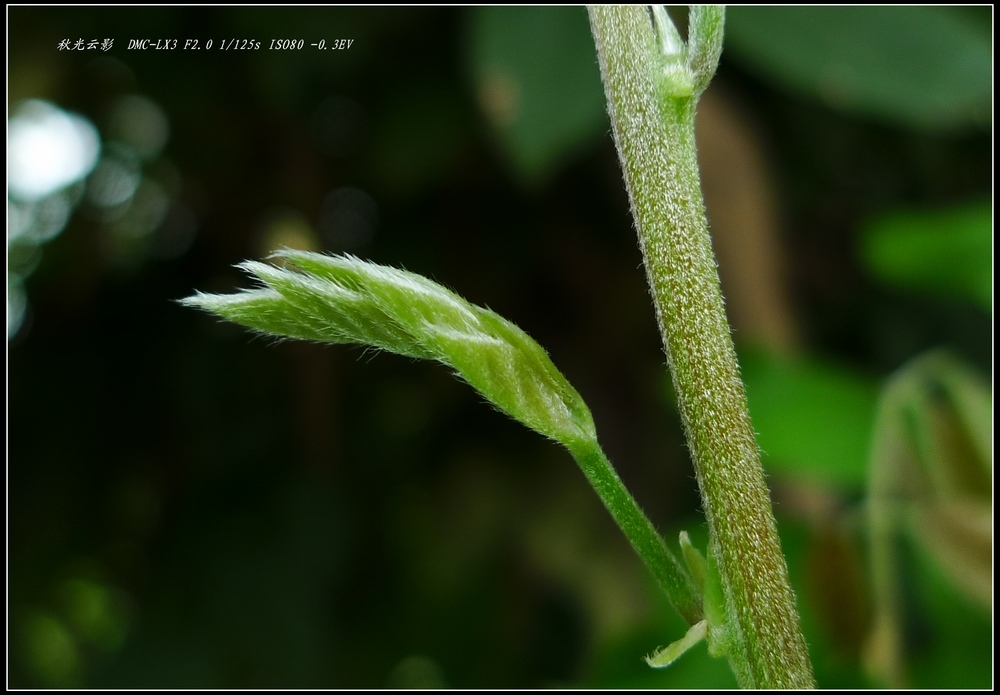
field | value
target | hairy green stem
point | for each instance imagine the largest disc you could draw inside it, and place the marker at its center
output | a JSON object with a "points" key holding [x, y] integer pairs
{"points": [[652, 115]]}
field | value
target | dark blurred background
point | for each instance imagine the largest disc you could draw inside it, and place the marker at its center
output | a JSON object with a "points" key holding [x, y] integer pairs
{"points": [[191, 506]]}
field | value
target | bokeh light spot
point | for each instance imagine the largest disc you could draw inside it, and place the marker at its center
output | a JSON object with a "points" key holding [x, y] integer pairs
{"points": [[96, 613], [50, 652], [287, 228], [115, 179], [47, 149], [139, 123]]}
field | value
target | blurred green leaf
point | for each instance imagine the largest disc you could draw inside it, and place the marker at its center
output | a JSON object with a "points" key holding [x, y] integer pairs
{"points": [[960, 654], [931, 477], [96, 613], [833, 592], [812, 419], [949, 252], [50, 652], [536, 78], [925, 67]]}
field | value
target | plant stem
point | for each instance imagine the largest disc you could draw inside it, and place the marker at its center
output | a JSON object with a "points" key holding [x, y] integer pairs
{"points": [[654, 134], [675, 581]]}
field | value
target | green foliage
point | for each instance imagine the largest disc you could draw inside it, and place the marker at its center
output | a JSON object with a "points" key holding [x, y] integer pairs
{"points": [[947, 252], [345, 300], [534, 76], [214, 513], [932, 480], [714, 626], [924, 67], [50, 651], [813, 418]]}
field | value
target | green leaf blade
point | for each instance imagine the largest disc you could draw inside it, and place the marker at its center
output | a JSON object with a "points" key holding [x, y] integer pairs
{"points": [[345, 300], [946, 252], [928, 68], [534, 76]]}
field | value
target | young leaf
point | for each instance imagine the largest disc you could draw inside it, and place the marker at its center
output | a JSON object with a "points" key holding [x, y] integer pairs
{"points": [[669, 654], [694, 560], [705, 28], [343, 299]]}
